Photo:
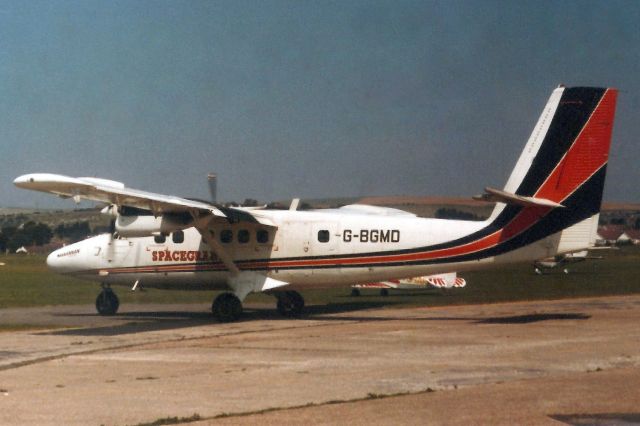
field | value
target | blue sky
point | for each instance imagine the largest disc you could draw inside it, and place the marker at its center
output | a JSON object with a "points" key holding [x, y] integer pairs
{"points": [[302, 99]]}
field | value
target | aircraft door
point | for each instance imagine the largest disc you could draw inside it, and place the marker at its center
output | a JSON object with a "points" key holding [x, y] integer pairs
{"points": [[325, 241], [295, 241], [325, 237]]}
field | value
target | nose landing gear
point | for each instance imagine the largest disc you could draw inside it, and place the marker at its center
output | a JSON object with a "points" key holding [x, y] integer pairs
{"points": [[107, 302]]}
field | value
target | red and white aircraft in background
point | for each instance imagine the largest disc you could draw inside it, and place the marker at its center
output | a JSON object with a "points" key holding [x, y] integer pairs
{"points": [[442, 281], [549, 206]]}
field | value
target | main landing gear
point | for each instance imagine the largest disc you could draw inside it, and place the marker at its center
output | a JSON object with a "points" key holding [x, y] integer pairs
{"points": [[227, 307], [290, 303], [107, 302]]}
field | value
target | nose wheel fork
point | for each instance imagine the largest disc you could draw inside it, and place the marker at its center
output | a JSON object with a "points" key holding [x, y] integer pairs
{"points": [[107, 302]]}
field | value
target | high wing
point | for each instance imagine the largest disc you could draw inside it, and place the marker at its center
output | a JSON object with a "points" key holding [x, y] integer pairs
{"points": [[108, 191], [113, 192]]}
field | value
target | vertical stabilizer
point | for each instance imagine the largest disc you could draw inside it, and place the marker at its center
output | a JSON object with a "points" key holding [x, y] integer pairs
{"points": [[565, 158]]}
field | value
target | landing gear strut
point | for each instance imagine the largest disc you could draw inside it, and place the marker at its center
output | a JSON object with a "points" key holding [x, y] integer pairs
{"points": [[290, 303], [227, 307], [107, 302]]}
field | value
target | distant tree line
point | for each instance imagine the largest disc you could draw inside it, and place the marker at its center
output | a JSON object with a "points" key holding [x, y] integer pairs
{"points": [[13, 237], [73, 232], [628, 220], [29, 234]]}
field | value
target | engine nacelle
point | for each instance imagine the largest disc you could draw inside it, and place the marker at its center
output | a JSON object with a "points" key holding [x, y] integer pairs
{"points": [[145, 226]]}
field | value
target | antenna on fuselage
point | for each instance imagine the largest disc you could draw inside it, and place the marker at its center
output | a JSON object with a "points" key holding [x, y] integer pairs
{"points": [[212, 178]]}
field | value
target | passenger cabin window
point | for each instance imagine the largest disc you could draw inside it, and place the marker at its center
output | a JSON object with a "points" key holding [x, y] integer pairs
{"points": [[262, 236], [243, 236], [178, 237], [323, 236], [159, 239], [226, 236]]}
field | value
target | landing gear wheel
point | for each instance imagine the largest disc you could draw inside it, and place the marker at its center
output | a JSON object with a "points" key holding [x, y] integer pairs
{"points": [[355, 292], [290, 303], [107, 302], [384, 292], [227, 307]]}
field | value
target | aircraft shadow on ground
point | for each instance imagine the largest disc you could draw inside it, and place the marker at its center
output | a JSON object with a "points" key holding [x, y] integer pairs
{"points": [[598, 419], [145, 321], [529, 318]]}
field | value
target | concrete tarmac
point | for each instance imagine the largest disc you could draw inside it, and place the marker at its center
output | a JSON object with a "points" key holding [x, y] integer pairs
{"points": [[568, 361]]}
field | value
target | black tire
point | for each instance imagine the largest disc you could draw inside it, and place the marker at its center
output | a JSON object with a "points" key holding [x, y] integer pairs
{"points": [[227, 307], [290, 304], [355, 292], [384, 292], [107, 302]]}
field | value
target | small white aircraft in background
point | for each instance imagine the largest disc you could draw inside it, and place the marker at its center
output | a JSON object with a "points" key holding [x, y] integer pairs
{"points": [[442, 281], [549, 206], [563, 260]]}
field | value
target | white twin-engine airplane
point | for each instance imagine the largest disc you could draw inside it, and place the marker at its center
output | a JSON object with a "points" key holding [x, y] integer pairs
{"points": [[549, 206]]}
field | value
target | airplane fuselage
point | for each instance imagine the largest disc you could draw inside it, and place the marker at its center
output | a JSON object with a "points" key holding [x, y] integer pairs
{"points": [[306, 249]]}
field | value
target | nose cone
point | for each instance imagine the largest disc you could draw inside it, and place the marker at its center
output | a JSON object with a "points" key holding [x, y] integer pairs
{"points": [[66, 259], [51, 260]]}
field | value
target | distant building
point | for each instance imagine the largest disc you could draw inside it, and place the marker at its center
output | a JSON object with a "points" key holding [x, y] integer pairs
{"points": [[616, 234], [630, 236], [609, 234]]}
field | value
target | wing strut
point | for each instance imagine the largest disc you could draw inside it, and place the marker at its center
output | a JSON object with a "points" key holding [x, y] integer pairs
{"points": [[242, 282], [202, 225]]}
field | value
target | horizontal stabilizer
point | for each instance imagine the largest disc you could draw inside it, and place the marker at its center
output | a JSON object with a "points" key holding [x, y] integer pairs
{"points": [[497, 196]]}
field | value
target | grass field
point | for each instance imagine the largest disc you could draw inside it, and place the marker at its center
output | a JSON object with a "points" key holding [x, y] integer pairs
{"points": [[25, 281]]}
